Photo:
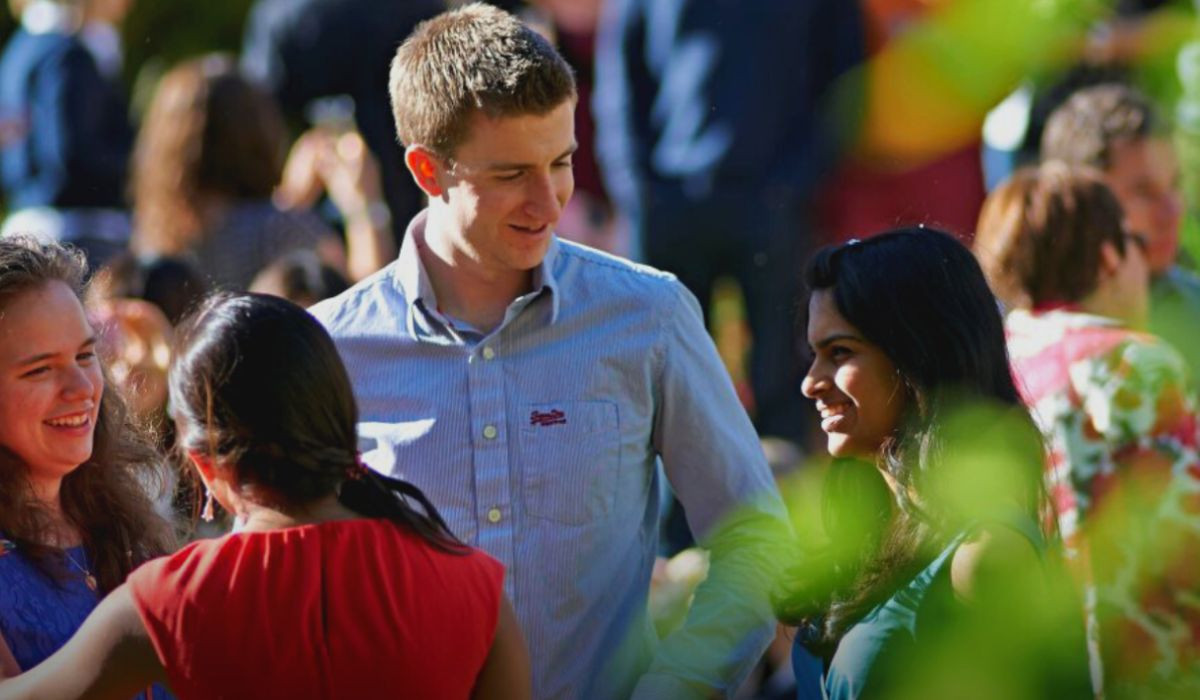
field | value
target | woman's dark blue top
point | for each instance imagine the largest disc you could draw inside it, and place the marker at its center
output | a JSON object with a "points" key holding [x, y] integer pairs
{"points": [[38, 615]]}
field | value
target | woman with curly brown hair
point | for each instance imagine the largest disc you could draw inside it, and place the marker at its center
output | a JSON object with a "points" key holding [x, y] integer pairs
{"points": [[75, 514], [207, 160]]}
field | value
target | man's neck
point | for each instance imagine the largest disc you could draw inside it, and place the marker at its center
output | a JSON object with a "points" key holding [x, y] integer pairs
{"points": [[1108, 303], [465, 289]]}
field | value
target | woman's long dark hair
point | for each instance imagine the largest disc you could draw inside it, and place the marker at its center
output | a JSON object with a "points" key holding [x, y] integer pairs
{"points": [[920, 296], [257, 385], [107, 497]]}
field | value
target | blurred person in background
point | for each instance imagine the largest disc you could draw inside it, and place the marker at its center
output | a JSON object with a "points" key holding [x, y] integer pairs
{"points": [[303, 51], [1118, 414], [171, 284], [135, 303], [1121, 41], [1116, 131], [329, 160], [301, 278], [590, 217], [711, 137], [934, 576], [75, 517], [208, 159], [341, 583], [64, 152]]}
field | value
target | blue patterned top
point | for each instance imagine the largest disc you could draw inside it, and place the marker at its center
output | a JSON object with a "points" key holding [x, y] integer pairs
{"points": [[39, 615]]}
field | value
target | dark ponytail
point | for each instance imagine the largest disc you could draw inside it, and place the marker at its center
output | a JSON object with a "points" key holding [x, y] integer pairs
{"points": [[258, 386]]}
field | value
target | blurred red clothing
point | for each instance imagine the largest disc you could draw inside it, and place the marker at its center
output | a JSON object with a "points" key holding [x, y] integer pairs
{"points": [[870, 194]]}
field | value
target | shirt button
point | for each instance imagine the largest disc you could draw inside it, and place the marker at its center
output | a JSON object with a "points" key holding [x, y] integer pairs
{"points": [[489, 354], [490, 432], [494, 515]]}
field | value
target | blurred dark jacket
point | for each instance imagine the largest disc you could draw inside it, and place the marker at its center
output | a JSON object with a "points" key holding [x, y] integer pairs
{"points": [[66, 138], [302, 50], [707, 94]]}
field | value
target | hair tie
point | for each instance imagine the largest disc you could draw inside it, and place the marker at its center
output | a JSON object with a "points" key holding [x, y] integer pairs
{"points": [[357, 470]]}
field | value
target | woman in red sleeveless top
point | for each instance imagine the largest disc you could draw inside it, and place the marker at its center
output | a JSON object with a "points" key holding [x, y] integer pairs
{"points": [[336, 587]]}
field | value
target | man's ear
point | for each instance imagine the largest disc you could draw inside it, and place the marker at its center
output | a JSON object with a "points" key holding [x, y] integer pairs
{"points": [[424, 168]]}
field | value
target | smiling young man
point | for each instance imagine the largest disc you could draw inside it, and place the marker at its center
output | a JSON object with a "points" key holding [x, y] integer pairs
{"points": [[530, 386], [1114, 129]]}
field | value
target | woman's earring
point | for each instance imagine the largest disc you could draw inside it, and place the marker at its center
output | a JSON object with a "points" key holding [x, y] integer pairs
{"points": [[207, 513]]}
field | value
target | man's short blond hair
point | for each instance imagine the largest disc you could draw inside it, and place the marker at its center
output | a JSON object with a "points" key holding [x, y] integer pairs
{"points": [[477, 57]]}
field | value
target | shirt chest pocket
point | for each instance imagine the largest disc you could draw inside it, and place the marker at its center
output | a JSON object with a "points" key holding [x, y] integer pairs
{"points": [[570, 456]]}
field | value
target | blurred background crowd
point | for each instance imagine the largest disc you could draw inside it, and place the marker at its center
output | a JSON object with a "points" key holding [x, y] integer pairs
{"points": [[193, 145]]}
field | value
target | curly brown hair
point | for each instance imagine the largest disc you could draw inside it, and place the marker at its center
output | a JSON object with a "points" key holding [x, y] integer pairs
{"points": [[209, 137], [107, 497]]}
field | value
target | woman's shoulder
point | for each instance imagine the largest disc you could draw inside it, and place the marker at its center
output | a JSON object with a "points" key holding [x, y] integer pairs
{"points": [[993, 552]]}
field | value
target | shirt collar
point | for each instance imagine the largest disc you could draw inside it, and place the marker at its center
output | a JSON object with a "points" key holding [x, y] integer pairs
{"points": [[1062, 316], [414, 282]]}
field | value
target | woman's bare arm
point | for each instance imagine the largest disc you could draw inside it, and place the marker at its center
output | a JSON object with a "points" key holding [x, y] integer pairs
{"points": [[8, 665], [110, 656], [506, 673]]}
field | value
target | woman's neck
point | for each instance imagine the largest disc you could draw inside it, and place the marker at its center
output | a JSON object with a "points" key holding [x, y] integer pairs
{"points": [[60, 531], [261, 518]]}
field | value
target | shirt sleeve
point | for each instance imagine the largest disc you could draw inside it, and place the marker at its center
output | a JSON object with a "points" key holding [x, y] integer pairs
{"points": [[715, 464]]}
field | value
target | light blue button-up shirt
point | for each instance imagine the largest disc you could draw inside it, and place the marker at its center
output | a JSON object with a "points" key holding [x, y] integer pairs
{"points": [[538, 443]]}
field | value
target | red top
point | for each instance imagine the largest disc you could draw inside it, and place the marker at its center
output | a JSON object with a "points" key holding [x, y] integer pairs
{"points": [[343, 609]]}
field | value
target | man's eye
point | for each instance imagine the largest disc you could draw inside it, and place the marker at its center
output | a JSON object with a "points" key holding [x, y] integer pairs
{"points": [[563, 164], [838, 353], [85, 357], [509, 177], [36, 371]]}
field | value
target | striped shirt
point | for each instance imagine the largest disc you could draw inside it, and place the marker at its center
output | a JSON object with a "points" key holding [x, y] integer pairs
{"points": [[539, 442]]}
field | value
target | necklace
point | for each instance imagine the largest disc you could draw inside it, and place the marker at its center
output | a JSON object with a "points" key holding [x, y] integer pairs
{"points": [[88, 578]]}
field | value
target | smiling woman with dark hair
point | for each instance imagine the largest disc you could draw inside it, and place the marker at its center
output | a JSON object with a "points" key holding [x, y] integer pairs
{"points": [[940, 463]]}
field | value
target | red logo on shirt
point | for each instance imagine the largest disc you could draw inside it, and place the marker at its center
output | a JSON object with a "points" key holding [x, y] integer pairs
{"points": [[544, 418]]}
